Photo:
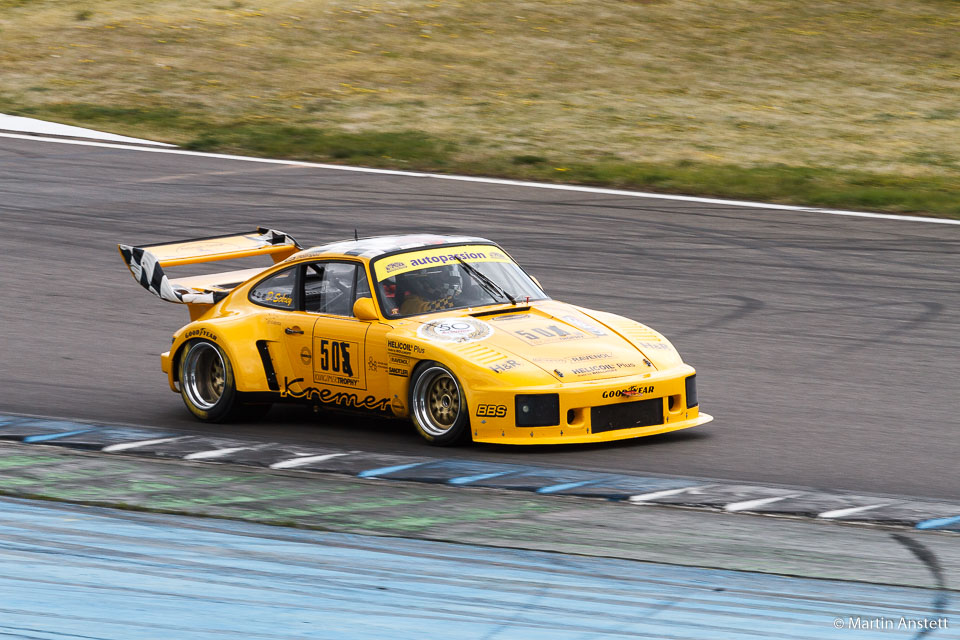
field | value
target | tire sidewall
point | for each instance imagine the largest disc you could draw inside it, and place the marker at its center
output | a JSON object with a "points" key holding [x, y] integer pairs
{"points": [[460, 431], [228, 399]]}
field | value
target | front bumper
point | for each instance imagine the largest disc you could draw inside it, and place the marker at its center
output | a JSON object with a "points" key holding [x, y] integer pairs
{"points": [[493, 412]]}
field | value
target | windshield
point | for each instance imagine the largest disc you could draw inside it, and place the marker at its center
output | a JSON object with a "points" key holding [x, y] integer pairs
{"points": [[431, 280]]}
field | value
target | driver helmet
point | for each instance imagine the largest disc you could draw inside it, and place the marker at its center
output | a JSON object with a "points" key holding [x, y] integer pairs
{"points": [[432, 284]]}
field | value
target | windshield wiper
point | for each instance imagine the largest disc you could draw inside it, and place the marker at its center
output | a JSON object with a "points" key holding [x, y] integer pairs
{"points": [[489, 285]]}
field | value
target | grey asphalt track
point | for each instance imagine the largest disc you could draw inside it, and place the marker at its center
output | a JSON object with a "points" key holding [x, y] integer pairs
{"points": [[826, 346]]}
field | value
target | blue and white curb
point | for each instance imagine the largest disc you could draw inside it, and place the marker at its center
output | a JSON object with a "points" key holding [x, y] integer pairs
{"points": [[641, 490]]}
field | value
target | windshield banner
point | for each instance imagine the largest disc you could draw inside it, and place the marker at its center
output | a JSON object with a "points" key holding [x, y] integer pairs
{"points": [[415, 260]]}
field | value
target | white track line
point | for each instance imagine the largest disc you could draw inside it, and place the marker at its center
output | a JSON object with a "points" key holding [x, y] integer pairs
{"points": [[299, 462], [840, 513], [47, 128], [514, 183], [213, 453], [647, 497], [749, 505], [123, 446]]}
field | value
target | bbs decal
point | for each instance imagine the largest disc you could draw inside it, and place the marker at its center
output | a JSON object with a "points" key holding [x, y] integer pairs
{"points": [[492, 411]]}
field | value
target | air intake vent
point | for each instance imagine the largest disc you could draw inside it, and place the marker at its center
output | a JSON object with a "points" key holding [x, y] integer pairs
{"points": [[626, 415], [480, 353]]}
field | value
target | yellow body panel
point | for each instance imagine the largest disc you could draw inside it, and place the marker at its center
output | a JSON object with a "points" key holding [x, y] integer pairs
{"points": [[590, 359]]}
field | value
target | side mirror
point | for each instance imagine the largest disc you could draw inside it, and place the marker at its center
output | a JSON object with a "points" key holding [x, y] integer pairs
{"points": [[365, 310]]}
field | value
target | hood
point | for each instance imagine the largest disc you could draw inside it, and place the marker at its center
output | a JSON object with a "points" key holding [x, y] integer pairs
{"points": [[556, 337]]}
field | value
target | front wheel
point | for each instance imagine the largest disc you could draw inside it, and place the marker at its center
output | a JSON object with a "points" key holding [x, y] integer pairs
{"points": [[438, 406], [208, 387]]}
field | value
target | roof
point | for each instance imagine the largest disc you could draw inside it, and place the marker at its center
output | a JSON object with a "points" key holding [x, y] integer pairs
{"points": [[379, 245]]}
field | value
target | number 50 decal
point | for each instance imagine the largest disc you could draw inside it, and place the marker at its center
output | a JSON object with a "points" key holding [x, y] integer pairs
{"points": [[335, 357], [338, 363], [547, 334]]}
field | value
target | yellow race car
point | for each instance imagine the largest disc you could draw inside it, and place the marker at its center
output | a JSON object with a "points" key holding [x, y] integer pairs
{"points": [[447, 331]]}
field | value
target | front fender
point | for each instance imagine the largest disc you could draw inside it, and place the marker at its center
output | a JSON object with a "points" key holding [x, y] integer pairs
{"points": [[652, 344], [480, 368]]}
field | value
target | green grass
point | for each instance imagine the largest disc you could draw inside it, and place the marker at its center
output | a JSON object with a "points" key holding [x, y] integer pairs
{"points": [[845, 104], [298, 142]]}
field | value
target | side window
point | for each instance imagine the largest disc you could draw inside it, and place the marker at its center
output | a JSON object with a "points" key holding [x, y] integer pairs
{"points": [[363, 285], [332, 287], [277, 290]]}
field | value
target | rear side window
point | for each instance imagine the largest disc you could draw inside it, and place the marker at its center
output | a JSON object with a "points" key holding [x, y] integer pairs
{"points": [[277, 291]]}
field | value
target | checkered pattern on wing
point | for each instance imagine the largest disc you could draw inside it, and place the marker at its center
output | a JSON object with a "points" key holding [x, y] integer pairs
{"points": [[147, 270]]}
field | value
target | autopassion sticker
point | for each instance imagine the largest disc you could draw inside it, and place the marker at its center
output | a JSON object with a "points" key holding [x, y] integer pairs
{"points": [[455, 330], [425, 258]]}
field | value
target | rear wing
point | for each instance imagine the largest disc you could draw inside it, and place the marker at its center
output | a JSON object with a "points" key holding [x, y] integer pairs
{"points": [[146, 263]]}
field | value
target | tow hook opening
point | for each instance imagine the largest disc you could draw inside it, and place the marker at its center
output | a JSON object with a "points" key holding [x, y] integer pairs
{"points": [[674, 403]]}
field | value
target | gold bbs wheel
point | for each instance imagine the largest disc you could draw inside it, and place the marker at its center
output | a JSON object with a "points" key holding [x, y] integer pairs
{"points": [[438, 406]]}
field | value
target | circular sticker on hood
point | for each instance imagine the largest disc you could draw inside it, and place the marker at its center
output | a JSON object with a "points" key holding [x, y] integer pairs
{"points": [[455, 330]]}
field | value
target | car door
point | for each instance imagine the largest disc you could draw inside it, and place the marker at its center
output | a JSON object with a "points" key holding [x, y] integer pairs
{"points": [[337, 362]]}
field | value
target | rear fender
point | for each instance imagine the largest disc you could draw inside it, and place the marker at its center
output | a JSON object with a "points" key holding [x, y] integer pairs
{"points": [[237, 343]]}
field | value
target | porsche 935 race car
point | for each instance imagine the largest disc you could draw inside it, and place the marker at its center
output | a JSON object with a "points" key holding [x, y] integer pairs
{"points": [[447, 331]]}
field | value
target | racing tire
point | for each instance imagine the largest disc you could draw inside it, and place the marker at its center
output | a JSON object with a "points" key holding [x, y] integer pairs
{"points": [[438, 406], [208, 387]]}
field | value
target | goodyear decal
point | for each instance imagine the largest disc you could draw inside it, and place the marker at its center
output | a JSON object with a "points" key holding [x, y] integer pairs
{"points": [[423, 259], [200, 332], [635, 390]]}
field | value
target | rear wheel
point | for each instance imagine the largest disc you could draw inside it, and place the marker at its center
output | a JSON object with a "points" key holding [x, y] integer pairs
{"points": [[208, 387], [438, 406]]}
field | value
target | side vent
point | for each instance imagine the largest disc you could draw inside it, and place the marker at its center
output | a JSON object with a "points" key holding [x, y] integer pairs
{"points": [[637, 332], [268, 369]]}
